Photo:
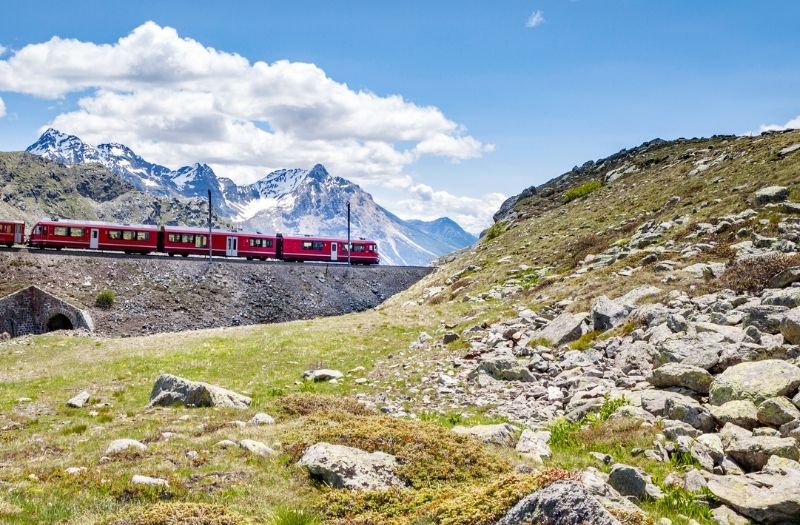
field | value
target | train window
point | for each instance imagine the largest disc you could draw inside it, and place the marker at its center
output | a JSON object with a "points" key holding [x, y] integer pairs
{"points": [[174, 237], [313, 245], [128, 235], [142, 236], [76, 232], [358, 247], [261, 243], [201, 241], [187, 238], [60, 230], [115, 235], [38, 230]]}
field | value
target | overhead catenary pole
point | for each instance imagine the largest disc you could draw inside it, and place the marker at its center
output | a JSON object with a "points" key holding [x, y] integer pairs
{"points": [[349, 244], [210, 253]]}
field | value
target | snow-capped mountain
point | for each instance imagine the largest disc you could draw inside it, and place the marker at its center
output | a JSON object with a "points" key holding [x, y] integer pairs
{"points": [[290, 201]]}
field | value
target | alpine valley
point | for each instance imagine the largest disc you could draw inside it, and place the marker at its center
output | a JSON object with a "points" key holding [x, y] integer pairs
{"points": [[297, 201]]}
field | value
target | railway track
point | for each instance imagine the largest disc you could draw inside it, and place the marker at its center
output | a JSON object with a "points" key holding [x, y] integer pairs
{"points": [[193, 259]]}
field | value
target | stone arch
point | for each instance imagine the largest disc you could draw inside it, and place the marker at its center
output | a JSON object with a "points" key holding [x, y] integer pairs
{"points": [[58, 321]]}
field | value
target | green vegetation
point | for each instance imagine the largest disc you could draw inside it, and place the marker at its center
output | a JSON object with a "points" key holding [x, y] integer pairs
{"points": [[585, 341], [494, 231], [105, 299], [581, 191], [290, 516]]}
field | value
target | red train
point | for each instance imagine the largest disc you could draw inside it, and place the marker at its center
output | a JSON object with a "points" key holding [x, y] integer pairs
{"points": [[185, 241]]}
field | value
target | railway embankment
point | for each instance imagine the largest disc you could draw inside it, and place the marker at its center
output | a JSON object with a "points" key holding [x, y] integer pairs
{"points": [[153, 294]]}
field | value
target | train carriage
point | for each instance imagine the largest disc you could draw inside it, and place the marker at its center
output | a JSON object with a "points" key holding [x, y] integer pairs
{"points": [[303, 249], [91, 235], [194, 241], [12, 232]]}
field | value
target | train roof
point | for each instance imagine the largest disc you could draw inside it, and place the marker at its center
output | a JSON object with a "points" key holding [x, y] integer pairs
{"points": [[72, 222], [194, 229], [335, 239], [9, 221]]}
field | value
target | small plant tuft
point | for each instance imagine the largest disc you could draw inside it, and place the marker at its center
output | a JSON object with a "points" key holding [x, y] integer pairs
{"points": [[494, 231], [290, 516], [105, 299]]}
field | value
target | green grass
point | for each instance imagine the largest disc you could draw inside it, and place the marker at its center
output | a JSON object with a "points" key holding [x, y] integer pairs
{"points": [[581, 191], [105, 299]]}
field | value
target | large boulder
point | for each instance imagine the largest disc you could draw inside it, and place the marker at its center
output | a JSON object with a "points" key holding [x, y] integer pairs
{"points": [[687, 376], [351, 468], [777, 411], [169, 390], [608, 314], [535, 443], [562, 502], [789, 297], [766, 497], [504, 367], [790, 326], [753, 452], [772, 194], [501, 434], [126, 446], [564, 329], [785, 278], [757, 381], [633, 482], [741, 412]]}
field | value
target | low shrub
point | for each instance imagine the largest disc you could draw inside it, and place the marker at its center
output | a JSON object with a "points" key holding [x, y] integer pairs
{"points": [[582, 190], [310, 404], [289, 516], [105, 299], [752, 274], [179, 513], [494, 231]]}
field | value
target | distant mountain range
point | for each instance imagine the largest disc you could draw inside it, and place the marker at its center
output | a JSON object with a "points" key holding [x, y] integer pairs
{"points": [[290, 201]]}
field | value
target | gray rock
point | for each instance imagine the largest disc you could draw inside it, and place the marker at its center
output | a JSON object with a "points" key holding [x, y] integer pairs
{"points": [[501, 434], [79, 400], [742, 412], [256, 447], [563, 503], [694, 481], [764, 497], [351, 468], [756, 381], [723, 515], [262, 419], [138, 479], [680, 375], [534, 443], [785, 278], [450, 337], [322, 374], [765, 317], [608, 314], [169, 390], [772, 194], [633, 412], [777, 411], [118, 446], [788, 297], [633, 482], [564, 329], [753, 452], [790, 326], [504, 367]]}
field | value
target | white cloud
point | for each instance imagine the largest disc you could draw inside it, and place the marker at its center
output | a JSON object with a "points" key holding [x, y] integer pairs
{"points": [[792, 124], [2, 108], [175, 101], [473, 214], [536, 19], [3, 50]]}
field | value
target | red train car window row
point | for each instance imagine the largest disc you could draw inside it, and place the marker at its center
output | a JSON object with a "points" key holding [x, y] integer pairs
{"points": [[66, 231], [199, 241], [261, 243], [128, 235], [313, 245]]}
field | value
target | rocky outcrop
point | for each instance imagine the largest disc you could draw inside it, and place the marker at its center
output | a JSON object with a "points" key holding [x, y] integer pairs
{"points": [[766, 497], [169, 390], [756, 381]]}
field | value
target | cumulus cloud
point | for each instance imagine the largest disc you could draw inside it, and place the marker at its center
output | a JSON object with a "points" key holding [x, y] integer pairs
{"points": [[176, 101], [2, 108], [536, 19], [473, 214], [792, 124]]}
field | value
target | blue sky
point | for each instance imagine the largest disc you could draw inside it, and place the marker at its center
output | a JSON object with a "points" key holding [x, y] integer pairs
{"points": [[528, 102]]}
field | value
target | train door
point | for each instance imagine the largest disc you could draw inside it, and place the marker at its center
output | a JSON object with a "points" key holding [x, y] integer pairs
{"points": [[232, 249], [334, 252], [94, 239], [18, 233]]}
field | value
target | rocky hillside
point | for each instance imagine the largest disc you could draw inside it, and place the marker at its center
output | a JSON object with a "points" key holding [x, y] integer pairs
{"points": [[33, 188], [290, 201], [622, 347]]}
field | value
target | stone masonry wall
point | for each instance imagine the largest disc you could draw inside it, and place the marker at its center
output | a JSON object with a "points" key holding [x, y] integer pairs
{"points": [[29, 311]]}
